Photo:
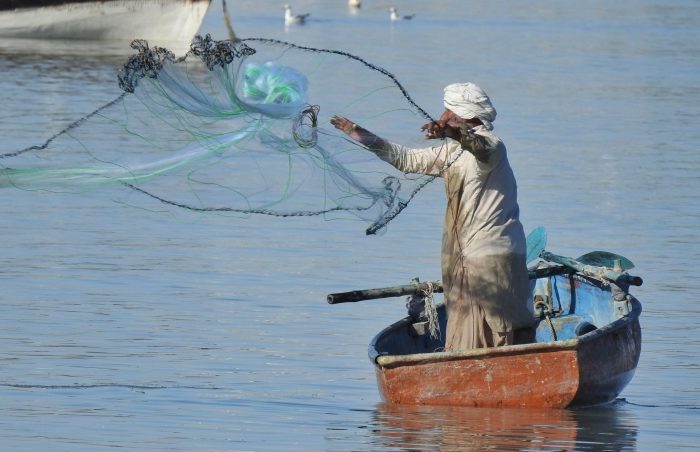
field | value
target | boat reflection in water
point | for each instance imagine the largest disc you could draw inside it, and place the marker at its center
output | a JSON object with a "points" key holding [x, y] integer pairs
{"points": [[407, 427], [161, 22]]}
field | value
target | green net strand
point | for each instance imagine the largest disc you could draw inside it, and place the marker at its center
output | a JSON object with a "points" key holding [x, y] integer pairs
{"points": [[235, 128]]}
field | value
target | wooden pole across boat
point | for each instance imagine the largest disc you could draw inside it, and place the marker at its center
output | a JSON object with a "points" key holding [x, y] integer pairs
{"points": [[383, 292], [567, 265], [412, 289]]}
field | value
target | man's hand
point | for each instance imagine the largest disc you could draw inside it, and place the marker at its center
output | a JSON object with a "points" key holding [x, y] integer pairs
{"points": [[433, 130], [357, 133], [344, 124], [448, 126]]}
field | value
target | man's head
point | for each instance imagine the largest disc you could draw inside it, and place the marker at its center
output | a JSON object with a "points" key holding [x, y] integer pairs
{"points": [[468, 101]]}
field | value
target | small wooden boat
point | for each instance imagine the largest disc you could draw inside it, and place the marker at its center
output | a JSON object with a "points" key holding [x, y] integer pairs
{"points": [[153, 20], [588, 342]]}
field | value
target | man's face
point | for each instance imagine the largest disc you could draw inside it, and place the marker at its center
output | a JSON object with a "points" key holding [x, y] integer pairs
{"points": [[449, 118]]}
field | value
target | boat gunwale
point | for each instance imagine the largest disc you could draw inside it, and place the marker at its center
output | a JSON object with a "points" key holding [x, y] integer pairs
{"points": [[384, 361], [15, 6]]}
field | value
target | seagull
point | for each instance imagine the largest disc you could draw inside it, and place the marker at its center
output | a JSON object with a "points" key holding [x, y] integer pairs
{"points": [[395, 16], [290, 19], [355, 3]]}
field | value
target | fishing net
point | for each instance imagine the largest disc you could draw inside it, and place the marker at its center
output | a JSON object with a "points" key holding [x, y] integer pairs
{"points": [[235, 128]]}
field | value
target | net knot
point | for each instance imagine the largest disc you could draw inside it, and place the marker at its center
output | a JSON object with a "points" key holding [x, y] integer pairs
{"points": [[218, 53], [146, 63]]}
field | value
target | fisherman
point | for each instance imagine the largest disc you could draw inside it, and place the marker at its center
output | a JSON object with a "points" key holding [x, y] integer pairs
{"points": [[484, 273]]}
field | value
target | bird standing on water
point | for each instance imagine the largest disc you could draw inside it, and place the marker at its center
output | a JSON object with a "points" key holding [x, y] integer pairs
{"points": [[292, 19], [393, 15]]}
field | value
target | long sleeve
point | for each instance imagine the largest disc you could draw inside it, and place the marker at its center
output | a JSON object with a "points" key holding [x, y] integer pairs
{"points": [[429, 161], [484, 148]]}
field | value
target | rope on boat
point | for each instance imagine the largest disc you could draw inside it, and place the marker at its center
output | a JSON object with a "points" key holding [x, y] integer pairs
{"points": [[547, 314], [431, 311], [597, 273], [421, 305]]}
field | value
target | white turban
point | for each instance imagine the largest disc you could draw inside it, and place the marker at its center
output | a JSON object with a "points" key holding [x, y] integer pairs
{"points": [[468, 101]]}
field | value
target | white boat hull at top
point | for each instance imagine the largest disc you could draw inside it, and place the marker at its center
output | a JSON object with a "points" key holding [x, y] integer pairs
{"points": [[153, 20]]}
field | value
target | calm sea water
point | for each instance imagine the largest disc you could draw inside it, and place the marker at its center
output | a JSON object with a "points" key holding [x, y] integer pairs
{"points": [[124, 328]]}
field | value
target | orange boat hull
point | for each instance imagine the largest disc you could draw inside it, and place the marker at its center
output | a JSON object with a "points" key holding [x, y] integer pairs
{"points": [[589, 370]]}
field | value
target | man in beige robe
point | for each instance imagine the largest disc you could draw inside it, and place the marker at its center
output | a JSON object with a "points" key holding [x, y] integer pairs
{"points": [[484, 273]]}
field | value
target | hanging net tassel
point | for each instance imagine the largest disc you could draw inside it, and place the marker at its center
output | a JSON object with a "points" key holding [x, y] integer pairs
{"points": [[421, 307], [431, 312]]}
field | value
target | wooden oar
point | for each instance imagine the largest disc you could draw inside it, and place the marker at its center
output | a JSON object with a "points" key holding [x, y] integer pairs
{"points": [[567, 265], [412, 289], [593, 270], [536, 242], [597, 263], [382, 292]]}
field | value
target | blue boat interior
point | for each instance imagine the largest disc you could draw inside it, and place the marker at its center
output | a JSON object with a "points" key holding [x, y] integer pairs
{"points": [[575, 306], [565, 307]]}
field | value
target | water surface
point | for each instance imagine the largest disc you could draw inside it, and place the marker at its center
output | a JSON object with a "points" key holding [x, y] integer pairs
{"points": [[133, 329]]}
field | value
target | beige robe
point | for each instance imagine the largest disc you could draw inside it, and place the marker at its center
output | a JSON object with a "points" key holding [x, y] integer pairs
{"points": [[484, 273]]}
